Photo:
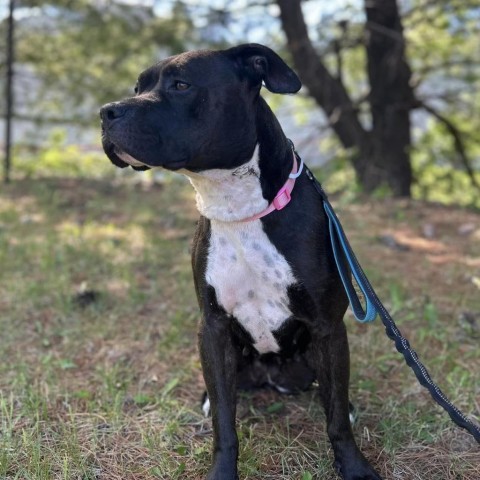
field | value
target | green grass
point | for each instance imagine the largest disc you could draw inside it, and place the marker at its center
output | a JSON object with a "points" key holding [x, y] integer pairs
{"points": [[99, 372]]}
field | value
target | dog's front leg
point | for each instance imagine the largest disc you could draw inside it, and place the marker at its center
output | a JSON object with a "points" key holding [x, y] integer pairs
{"points": [[219, 363], [329, 357]]}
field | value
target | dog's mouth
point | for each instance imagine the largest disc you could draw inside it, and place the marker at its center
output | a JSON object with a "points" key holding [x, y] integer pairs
{"points": [[127, 158], [138, 165], [122, 159], [119, 157]]}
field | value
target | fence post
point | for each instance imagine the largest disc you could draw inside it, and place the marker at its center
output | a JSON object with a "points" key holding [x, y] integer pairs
{"points": [[9, 95]]}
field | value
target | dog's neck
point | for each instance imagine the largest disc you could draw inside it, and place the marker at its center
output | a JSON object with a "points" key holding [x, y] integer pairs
{"points": [[232, 195], [229, 195]]}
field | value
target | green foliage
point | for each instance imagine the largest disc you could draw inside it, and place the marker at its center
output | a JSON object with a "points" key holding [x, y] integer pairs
{"points": [[71, 48], [442, 40], [338, 175], [58, 158], [439, 177], [86, 53]]}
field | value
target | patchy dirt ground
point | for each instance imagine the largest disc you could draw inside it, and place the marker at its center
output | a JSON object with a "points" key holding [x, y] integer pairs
{"points": [[99, 372], [427, 250]]}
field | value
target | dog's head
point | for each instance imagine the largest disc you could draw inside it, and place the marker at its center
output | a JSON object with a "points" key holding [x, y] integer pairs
{"points": [[195, 111]]}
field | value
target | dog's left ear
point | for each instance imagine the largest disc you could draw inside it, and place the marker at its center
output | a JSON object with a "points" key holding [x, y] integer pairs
{"points": [[260, 63]]}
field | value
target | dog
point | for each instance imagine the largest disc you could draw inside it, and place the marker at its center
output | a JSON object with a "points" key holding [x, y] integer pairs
{"points": [[271, 300]]}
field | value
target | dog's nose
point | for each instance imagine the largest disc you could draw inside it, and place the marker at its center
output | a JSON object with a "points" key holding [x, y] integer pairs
{"points": [[112, 111]]}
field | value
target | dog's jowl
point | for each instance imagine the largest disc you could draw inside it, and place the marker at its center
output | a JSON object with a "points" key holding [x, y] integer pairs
{"points": [[271, 299]]}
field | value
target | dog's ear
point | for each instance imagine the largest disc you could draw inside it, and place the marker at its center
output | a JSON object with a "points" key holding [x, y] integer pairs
{"points": [[260, 63]]}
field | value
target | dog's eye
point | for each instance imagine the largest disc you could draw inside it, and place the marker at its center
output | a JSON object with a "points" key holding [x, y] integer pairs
{"points": [[178, 85], [136, 89]]}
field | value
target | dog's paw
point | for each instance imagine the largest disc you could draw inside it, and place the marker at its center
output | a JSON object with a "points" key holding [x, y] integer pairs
{"points": [[220, 475], [373, 475], [223, 468], [358, 470]]}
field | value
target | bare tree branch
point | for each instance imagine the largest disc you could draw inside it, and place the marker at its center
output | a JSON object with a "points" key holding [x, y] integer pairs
{"points": [[464, 62], [328, 91], [51, 120], [457, 139], [379, 154], [387, 32], [437, 4], [427, 4]]}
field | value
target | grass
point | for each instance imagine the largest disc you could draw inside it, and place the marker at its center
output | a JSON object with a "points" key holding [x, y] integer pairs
{"points": [[99, 372]]}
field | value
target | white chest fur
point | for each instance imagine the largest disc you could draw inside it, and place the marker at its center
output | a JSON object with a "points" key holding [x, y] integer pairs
{"points": [[229, 195], [250, 278], [248, 273]]}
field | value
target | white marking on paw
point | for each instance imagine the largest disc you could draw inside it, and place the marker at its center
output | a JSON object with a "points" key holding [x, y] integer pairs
{"points": [[353, 418], [206, 406]]}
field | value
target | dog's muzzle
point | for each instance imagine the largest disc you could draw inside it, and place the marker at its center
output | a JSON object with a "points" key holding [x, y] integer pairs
{"points": [[111, 112]]}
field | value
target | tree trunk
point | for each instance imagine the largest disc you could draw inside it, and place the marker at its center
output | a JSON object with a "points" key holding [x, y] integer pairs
{"points": [[381, 155], [391, 96]]}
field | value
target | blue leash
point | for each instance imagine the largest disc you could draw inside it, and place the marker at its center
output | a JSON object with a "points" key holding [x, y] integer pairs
{"points": [[342, 251]]}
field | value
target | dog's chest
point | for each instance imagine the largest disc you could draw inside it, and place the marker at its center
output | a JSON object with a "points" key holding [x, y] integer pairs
{"points": [[250, 278]]}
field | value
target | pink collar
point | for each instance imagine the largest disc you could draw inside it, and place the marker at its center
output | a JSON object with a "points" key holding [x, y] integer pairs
{"points": [[283, 197]]}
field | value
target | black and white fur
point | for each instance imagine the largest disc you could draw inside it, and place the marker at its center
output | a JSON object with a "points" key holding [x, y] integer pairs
{"points": [[271, 299], [250, 276]]}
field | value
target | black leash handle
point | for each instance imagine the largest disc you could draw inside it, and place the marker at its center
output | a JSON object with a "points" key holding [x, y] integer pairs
{"points": [[391, 329]]}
